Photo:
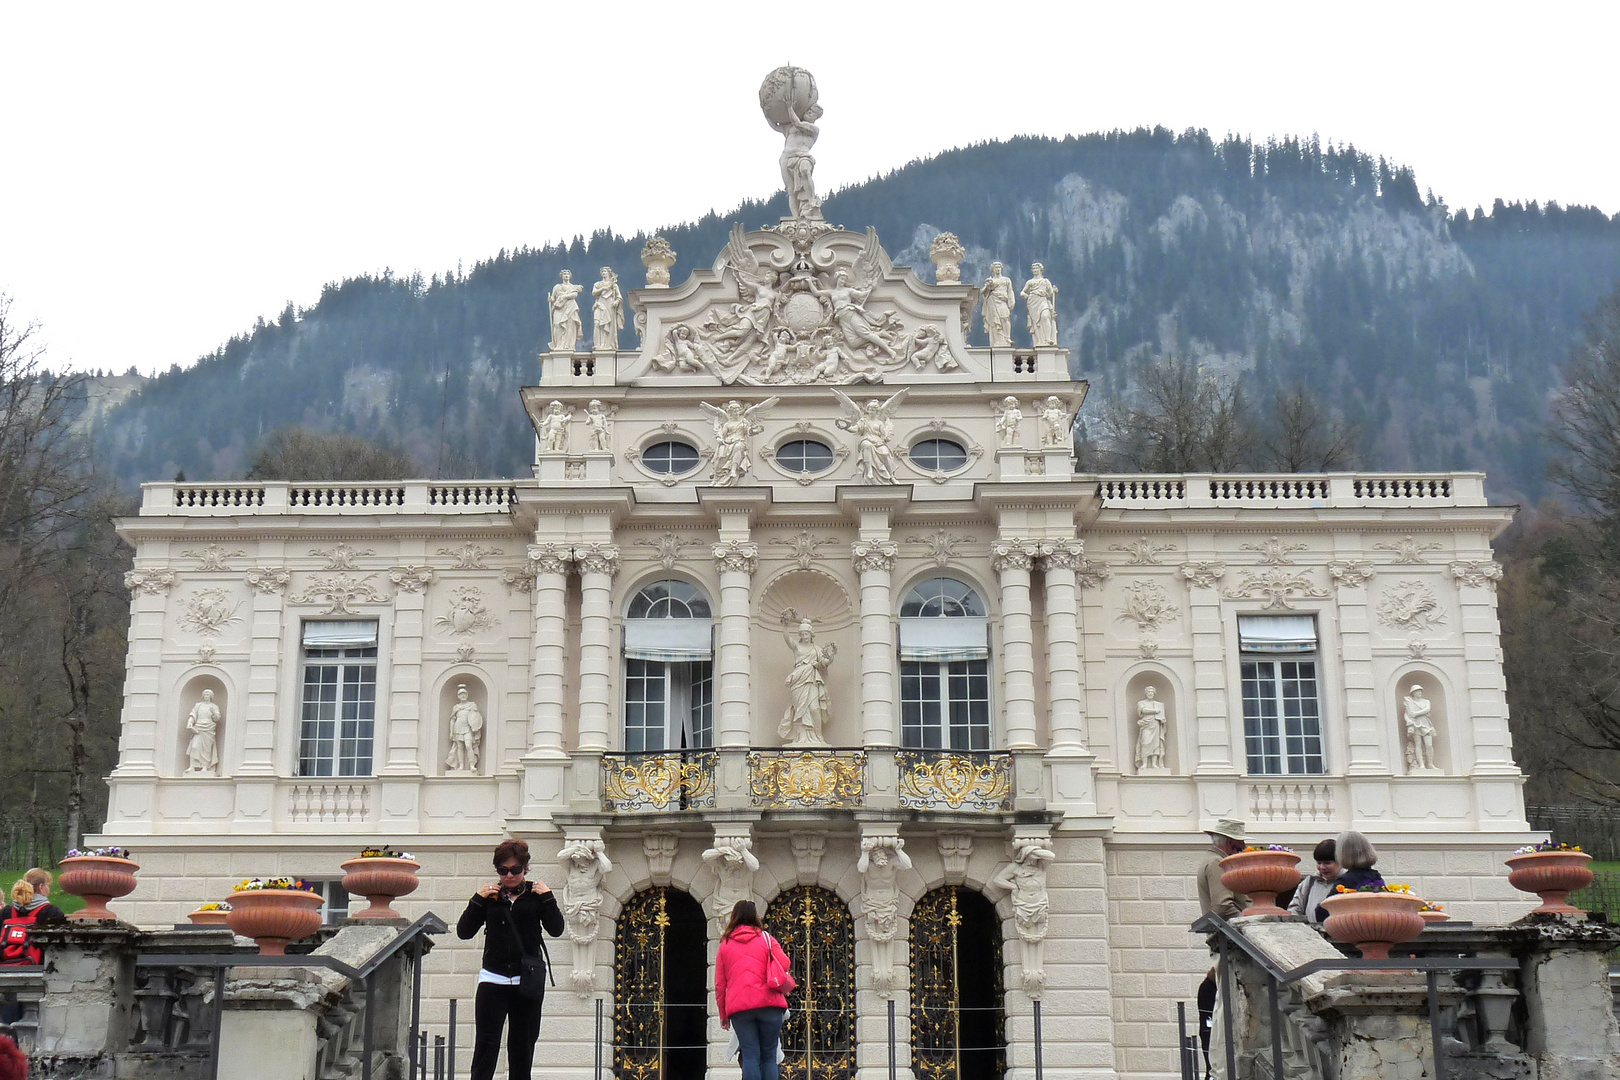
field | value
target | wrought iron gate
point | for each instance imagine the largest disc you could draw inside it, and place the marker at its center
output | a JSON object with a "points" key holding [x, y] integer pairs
{"points": [[660, 987], [818, 934], [958, 1028]]}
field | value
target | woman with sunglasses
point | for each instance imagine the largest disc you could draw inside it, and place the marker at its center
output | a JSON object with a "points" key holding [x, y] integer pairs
{"points": [[511, 911]]}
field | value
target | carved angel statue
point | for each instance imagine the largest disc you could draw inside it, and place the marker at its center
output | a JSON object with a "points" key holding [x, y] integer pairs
{"points": [[597, 430], [850, 290], [683, 354], [749, 324], [1009, 420], [872, 425], [1056, 429], [565, 325], [554, 424], [1040, 296], [997, 298], [734, 426], [582, 894], [809, 704], [607, 311]]}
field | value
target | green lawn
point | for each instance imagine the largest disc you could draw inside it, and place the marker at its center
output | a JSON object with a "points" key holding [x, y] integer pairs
{"points": [[67, 902]]}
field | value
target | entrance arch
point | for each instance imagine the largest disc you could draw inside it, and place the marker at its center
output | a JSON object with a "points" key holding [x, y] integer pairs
{"points": [[660, 987], [958, 1017], [818, 934]]}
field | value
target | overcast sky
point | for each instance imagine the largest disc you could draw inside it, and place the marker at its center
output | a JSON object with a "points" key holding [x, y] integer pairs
{"points": [[172, 172]]}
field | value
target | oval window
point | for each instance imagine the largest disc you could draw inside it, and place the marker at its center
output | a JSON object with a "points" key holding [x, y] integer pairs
{"points": [[805, 456], [938, 455], [670, 458]]}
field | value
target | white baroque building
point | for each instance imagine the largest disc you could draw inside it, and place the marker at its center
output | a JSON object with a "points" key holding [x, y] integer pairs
{"points": [[873, 655]]}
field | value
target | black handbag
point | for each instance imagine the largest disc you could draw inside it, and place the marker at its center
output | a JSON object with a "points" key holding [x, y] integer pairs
{"points": [[534, 971]]}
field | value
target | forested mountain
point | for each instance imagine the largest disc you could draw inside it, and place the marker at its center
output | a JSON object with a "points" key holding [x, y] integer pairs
{"points": [[1438, 333]]}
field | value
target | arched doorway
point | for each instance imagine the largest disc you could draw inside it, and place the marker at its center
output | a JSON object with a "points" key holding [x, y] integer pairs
{"points": [[958, 1022], [660, 987], [818, 934]]}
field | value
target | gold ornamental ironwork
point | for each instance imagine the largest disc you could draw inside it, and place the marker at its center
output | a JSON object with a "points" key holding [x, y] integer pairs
{"points": [[950, 779], [670, 780], [659, 987], [784, 779], [958, 1026], [818, 934]]}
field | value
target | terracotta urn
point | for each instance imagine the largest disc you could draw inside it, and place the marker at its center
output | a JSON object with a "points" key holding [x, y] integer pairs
{"points": [[273, 917], [1261, 875], [1374, 921], [1434, 917], [97, 878], [381, 881], [1551, 875], [208, 918]]}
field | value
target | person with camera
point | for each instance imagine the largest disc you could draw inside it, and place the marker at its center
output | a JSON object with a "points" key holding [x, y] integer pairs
{"points": [[511, 911]]}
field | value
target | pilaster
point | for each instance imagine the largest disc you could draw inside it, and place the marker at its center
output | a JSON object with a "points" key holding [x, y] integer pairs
{"points": [[1012, 559], [598, 563], [544, 763], [1068, 762]]}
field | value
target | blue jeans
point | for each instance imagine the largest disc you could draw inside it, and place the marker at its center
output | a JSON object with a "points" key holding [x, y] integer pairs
{"points": [[758, 1031]]}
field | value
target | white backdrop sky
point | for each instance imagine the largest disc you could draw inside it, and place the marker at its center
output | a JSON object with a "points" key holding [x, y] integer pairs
{"points": [[171, 171]]}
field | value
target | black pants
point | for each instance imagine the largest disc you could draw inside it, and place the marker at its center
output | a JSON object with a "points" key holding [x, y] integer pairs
{"points": [[1206, 1014], [493, 1009]]}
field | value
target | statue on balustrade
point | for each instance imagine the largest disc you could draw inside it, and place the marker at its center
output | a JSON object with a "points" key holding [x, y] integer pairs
{"points": [[997, 297], [809, 704], [1418, 714], [202, 751], [1040, 296], [566, 328], [466, 733], [1151, 723], [607, 311]]}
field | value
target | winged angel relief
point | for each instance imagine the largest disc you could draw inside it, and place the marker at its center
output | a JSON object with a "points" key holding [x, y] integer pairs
{"points": [[872, 425], [800, 326]]}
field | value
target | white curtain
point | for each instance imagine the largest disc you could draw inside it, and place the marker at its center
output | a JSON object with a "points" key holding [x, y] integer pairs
{"points": [[1277, 633], [672, 641], [332, 635], [940, 641]]}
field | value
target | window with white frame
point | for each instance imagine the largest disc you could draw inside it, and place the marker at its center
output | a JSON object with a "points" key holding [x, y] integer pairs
{"points": [[339, 699], [334, 899], [668, 669], [944, 667], [1282, 710]]}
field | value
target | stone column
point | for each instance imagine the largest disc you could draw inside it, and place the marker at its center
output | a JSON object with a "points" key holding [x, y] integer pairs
{"points": [[544, 762], [874, 562], [1012, 559], [1066, 689], [733, 691], [597, 562]]}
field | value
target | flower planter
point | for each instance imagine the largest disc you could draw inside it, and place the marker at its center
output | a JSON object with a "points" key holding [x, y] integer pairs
{"points": [[1261, 875], [273, 917], [208, 918], [1434, 916], [1374, 921], [1551, 875], [381, 881], [97, 878]]}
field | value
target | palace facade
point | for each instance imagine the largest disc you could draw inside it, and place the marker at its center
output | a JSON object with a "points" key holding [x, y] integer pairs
{"points": [[805, 603]]}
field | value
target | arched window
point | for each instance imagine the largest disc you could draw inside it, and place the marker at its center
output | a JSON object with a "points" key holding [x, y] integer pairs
{"points": [[668, 669], [944, 667]]}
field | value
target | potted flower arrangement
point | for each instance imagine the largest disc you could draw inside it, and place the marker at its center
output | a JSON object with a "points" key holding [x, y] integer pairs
{"points": [[1433, 913], [1374, 917], [1261, 873], [98, 875], [1551, 871], [381, 875], [211, 914], [274, 911]]}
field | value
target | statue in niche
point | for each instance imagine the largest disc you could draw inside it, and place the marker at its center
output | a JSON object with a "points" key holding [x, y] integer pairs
{"points": [[1009, 421], [882, 859], [997, 297], [1040, 298], [1151, 723], [734, 864], [587, 864], [787, 97], [202, 750], [872, 425], [1025, 879], [809, 704], [1418, 714], [566, 329], [734, 428], [554, 424], [607, 311], [466, 733], [597, 432], [1056, 429]]}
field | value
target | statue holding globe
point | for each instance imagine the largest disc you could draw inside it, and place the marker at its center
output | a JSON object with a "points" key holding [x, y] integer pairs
{"points": [[787, 97]]}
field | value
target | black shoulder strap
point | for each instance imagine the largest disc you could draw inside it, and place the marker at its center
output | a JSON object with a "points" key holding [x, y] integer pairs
{"points": [[540, 936]]}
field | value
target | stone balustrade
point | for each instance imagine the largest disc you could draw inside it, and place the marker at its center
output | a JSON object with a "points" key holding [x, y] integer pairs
{"points": [[234, 499], [1324, 490]]}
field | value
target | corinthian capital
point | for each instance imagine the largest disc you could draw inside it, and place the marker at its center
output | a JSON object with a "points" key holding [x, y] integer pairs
{"points": [[1062, 554], [1013, 554], [597, 558], [874, 555], [736, 556], [549, 559]]}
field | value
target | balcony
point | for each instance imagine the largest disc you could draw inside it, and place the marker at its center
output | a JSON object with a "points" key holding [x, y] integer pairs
{"points": [[660, 781], [955, 780], [807, 779]]}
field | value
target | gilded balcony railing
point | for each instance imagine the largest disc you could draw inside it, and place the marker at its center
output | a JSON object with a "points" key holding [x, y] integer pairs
{"points": [[807, 779], [954, 780], [661, 780]]}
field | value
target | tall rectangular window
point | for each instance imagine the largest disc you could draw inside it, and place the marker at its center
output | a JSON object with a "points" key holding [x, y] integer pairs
{"points": [[1282, 713], [668, 706], [339, 705], [945, 706]]}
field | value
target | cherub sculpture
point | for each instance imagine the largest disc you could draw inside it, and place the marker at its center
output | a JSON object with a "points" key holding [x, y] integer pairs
{"points": [[1009, 421], [872, 425], [597, 417], [682, 354], [554, 425], [734, 426], [1055, 424]]}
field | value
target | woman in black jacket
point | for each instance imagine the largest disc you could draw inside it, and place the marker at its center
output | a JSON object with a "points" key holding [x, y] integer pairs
{"points": [[511, 913]]}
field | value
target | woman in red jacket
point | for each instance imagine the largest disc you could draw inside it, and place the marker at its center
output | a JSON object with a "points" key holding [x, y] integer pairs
{"points": [[750, 961]]}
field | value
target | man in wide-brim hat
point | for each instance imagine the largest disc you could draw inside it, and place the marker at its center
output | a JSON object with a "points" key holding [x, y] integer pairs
{"points": [[1225, 838]]}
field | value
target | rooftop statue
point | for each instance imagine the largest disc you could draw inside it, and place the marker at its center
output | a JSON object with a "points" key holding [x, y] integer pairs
{"points": [[787, 97], [565, 324]]}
